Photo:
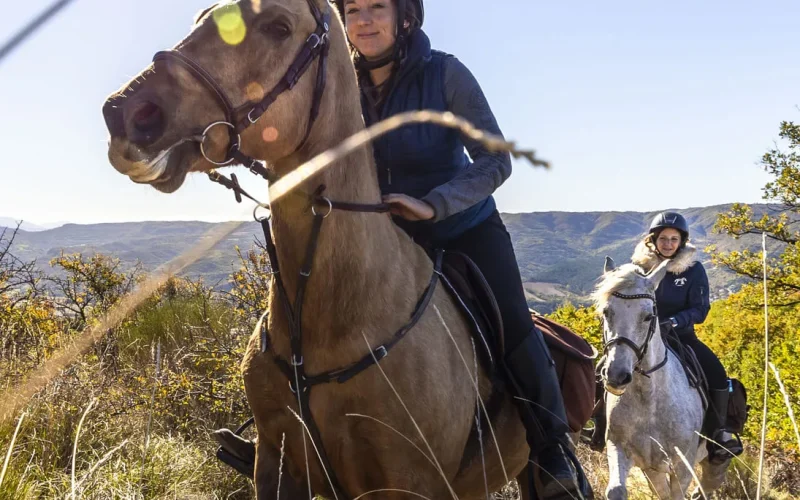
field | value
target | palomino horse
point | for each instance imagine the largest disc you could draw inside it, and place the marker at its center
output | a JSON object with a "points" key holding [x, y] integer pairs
{"points": [[243, 82], [651, 409]]}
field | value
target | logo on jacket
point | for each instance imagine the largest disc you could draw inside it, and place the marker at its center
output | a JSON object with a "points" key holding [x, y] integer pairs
{"points": [[680, 281]]}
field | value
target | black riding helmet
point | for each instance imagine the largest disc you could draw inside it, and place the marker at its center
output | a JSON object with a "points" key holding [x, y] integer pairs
{"points": [[402, 32], [672, 220]]}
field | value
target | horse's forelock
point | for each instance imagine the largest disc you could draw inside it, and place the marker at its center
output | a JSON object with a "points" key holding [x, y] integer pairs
{"points": [[625, 276]]}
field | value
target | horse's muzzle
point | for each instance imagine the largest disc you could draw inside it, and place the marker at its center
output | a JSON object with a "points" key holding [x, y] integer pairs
{"points": [[616, 383], [140, 120]]}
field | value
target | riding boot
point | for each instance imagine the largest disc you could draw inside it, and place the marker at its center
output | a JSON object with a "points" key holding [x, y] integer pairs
{"points": [[531, 370], [723, 445], [595, 435], [236, 451]]}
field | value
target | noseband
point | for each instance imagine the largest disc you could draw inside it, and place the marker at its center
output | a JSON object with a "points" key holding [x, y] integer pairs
{"points": [[640, 351], [316, 45]]}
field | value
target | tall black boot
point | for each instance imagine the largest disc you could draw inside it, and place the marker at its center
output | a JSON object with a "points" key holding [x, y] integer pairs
{"points": [[724, 446], [236, 451], [531, 370], [595, 437]]}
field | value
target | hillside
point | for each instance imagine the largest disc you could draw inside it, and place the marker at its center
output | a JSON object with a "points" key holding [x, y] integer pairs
{"points": [[560, 253]]}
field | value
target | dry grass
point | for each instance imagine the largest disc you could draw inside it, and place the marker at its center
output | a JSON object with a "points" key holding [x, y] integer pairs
{"points": [[782, 477]]}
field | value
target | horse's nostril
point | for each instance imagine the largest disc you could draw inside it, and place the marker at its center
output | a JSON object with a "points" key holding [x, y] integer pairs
{"points": [[627, 379], [147, 123], [146, 116]]}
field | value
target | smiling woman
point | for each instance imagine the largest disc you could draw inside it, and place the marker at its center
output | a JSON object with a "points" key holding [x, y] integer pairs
{"points": [[683, 302]]}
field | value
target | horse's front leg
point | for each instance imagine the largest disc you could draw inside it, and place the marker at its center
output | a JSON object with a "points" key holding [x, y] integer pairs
{"points": [[272, 481], [679, 482], [681, 477], [619, 465], [659, 482]]}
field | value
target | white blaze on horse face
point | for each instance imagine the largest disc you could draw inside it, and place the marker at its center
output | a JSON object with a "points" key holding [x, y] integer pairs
{"points": [[629, 321]]}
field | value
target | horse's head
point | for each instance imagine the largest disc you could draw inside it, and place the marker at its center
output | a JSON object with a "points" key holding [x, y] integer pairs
{"points": [[194, 103], [626, 299]]}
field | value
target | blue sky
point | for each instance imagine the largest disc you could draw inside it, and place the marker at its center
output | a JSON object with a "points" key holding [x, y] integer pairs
{"points": [[639, 105]]}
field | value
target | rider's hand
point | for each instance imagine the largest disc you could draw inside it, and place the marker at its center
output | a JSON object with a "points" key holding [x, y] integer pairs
{"points": [[409, 208]]}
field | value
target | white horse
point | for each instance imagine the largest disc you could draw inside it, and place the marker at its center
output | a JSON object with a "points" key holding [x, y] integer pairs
{"points": [[654, 416]]}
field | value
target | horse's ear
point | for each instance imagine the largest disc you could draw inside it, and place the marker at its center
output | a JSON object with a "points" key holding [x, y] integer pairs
{"points": [[656, 275], [200, 15], [609, 265]]}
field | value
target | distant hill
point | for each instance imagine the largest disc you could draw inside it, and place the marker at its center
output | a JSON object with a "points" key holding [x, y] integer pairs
{"points": [[560, 253], [9, 222]]}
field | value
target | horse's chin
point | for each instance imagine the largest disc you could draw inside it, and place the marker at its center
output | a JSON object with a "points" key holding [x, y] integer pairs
{"points": [[165, 172], [616, 391]]}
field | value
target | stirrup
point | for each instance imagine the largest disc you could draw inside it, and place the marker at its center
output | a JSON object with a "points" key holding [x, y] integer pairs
{"points": [[245, 468], [588, 437], [236, 451], [722, 452]]}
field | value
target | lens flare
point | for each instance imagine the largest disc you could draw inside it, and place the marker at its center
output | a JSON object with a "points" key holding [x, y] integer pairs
{"points": [[230, 24], [254, 92], [270, 134]]}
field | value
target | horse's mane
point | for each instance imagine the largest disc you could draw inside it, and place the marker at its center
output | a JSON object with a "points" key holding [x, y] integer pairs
{"points": [[625, 276]]}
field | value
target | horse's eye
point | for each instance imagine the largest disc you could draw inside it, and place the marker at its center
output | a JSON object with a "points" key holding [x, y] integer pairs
{"points": [[648, 318], [279, 30]]}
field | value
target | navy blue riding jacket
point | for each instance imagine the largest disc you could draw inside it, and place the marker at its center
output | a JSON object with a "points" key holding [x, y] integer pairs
{"points": [[684, 297]]}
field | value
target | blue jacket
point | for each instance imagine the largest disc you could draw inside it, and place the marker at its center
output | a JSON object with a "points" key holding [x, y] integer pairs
{"points": [[683, 293], [417, 158]]}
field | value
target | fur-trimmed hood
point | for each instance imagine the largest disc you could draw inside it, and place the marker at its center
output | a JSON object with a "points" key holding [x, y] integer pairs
{"points": [[646, 257]]}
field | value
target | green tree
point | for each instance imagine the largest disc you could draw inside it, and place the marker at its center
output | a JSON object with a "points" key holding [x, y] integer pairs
{"points": [[779, 224], [89, 286], [735, 326], [582, 320]]}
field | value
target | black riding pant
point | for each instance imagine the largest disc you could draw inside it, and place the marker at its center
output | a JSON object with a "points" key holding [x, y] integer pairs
{"points": [[712, 366], [489, 245]]}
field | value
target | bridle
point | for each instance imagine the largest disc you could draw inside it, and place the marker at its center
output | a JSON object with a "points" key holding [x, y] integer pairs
{"points": [[300, 382], [317, 45], [639, 350]]}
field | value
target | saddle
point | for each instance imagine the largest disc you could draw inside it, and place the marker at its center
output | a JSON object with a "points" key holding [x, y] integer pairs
{"points": [[573, 355], [691, 366]]}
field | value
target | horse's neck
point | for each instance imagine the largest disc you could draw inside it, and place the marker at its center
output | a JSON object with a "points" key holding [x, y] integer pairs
{"points": [[656, 351], [360, 257]]}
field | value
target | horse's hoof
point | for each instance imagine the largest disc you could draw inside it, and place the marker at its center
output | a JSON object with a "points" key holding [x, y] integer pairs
{"points": [[617, 493]]}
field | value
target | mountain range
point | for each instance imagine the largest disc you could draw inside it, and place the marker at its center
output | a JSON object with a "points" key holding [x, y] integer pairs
{"points": [[560, 254]]}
